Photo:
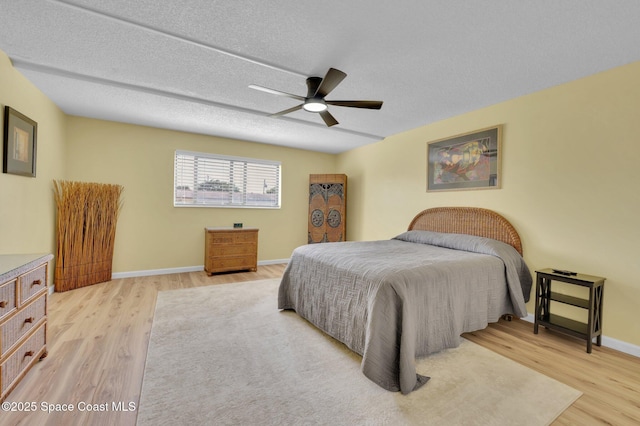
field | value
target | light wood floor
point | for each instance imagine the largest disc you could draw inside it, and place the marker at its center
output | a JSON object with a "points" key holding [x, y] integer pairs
{"points": [[98, 337]]}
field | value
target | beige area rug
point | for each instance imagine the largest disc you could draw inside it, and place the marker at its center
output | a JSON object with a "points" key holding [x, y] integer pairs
{"points": [[225, 355]]}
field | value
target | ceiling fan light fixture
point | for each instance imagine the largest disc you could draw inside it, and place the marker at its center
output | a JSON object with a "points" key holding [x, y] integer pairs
{"points": [[314, 106]]}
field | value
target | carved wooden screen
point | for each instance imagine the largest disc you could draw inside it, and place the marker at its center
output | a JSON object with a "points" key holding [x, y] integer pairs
{"points": [[327, 208]]}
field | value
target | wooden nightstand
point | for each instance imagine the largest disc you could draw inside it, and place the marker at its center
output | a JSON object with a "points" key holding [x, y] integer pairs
{"points": [[544, 296], [230, 249]]}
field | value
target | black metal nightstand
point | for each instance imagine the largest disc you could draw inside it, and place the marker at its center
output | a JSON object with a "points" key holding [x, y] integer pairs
{"points": [[543, 316]]}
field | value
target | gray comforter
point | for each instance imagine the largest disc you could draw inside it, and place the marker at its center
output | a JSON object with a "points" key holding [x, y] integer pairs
{"points": [[394, 300]]}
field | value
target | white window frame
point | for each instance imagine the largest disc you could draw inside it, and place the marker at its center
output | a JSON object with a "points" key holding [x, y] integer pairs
{"points": [[192, 170]]}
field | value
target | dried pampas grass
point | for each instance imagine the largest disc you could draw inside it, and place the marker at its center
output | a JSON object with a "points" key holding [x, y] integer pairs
{"points": [[87, 214]]}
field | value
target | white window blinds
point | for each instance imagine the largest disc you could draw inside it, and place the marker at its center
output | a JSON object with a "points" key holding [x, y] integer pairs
{"points": [[210, 180]]}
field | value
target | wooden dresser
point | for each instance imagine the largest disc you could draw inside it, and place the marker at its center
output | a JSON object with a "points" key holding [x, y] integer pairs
{"points": [[23, 316], [230, 249]]}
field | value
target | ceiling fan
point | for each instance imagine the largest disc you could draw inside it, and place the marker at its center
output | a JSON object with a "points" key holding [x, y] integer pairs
{"points": [[318, 88]]}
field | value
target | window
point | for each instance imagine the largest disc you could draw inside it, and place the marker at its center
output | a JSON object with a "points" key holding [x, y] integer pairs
{"points": [[210, 180]]}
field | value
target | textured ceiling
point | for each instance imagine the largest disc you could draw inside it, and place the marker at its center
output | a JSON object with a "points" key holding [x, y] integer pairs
{"points": [[187, 64]]}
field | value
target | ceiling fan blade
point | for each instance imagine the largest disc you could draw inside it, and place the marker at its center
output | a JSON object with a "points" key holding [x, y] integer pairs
{"points": [[276, 92], [330, 81], [357, 104], [286, 111], [328, 118]]}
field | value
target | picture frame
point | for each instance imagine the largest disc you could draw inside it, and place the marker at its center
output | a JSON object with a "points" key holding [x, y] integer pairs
{"points": [[465, 161], [20, 143]]}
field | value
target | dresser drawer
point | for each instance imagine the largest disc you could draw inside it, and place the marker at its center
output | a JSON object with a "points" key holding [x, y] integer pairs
{"points": [[234, 237], [32, 282], [21, 323], [7, 298], [234, 250], [26, 354], [232, 263]]}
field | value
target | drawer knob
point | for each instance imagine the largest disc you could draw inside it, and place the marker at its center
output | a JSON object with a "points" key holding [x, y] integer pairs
{"points": [[36, 282], [29, 320], [29, 353], [3, 303]]}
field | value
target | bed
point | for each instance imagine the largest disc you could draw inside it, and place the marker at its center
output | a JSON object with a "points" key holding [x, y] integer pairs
{"points": [[455, 270]]}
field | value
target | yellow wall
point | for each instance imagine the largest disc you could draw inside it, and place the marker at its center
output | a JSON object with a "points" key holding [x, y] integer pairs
{"points": [[151, 233], [570, 173], [27, 209]]}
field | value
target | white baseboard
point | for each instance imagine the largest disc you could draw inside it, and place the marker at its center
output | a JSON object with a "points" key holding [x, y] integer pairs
{"points": [[609, 342], [166, 271], [146, 273]]}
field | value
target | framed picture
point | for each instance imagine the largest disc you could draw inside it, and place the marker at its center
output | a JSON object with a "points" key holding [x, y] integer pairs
{"points": [[466, 161], [20, 139]]}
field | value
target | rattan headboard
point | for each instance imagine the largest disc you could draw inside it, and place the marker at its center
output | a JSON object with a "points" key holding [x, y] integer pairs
{"points": [[467, 220]]}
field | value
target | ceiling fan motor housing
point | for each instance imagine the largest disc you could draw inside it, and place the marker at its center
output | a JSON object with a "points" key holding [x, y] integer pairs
{"points": [[312, 86], [314, 103]]}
